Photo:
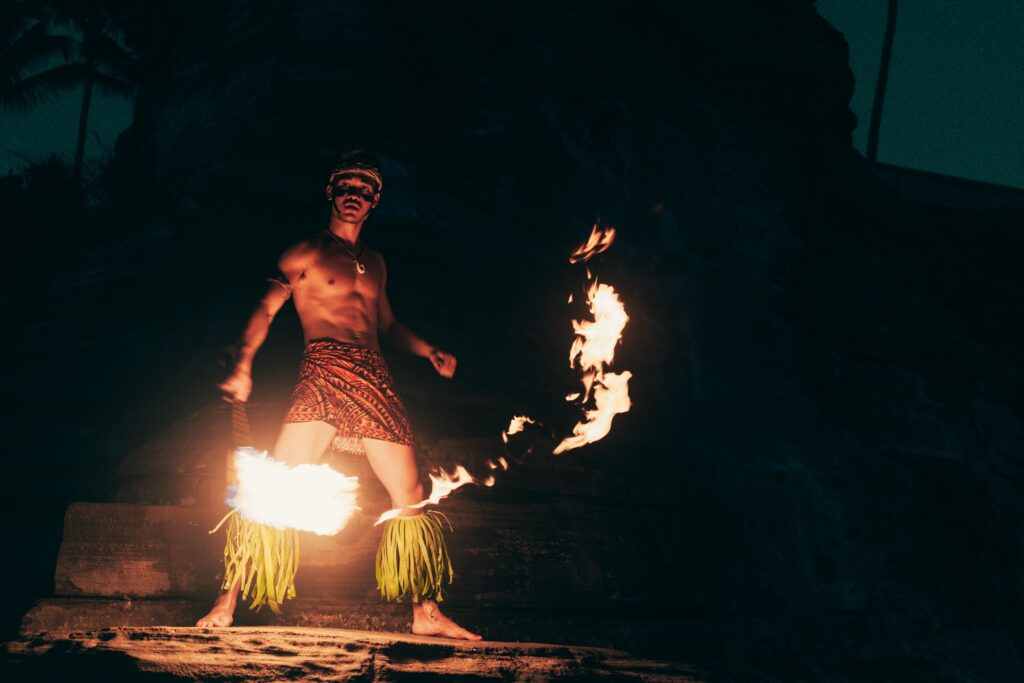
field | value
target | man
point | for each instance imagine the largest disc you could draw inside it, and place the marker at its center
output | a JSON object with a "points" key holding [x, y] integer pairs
{"points": [[338, 286]]}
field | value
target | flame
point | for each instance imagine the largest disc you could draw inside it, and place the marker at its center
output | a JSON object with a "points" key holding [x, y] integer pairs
{"points": [[611, 397], [441, 486], [518, 424], [305, 497], [593, 348], [600, 239]]}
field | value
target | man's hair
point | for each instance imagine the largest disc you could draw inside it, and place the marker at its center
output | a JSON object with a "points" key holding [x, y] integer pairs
{"points": [[358, 162]]}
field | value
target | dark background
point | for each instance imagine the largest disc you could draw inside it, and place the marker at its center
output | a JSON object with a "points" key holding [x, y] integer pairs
{"points": [[953, 105], [822, 460]]}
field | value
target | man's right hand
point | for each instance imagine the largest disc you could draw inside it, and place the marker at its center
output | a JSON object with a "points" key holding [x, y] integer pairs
{"points": [[237, 387]]}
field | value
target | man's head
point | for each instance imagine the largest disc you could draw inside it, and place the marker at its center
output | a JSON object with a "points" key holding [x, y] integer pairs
{"points": [[353, 187]]}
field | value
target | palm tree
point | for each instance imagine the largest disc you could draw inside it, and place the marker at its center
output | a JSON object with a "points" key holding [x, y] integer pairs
{"points": [[26, 45], [883, 79], [102, 62]]}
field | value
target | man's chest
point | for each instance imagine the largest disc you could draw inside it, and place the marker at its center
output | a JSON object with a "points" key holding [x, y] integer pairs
{"points": [[341, 274]]}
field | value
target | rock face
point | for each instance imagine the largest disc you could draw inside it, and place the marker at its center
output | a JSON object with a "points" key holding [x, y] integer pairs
{"points": [[309, 654]]}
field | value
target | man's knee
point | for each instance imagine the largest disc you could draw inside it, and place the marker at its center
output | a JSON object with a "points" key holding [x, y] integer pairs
{"points": [[408, 496]]}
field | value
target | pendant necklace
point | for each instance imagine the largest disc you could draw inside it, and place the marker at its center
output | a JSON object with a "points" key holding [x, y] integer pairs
{"points": [[360, 268]]}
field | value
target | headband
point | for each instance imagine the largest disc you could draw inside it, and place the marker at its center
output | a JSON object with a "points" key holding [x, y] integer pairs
{"points": [[368, 171]]}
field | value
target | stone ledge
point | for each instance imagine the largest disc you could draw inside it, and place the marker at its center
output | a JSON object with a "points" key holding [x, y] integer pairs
{"points": [[506, 553], [312, 654], [63, 615], [621, 628]]}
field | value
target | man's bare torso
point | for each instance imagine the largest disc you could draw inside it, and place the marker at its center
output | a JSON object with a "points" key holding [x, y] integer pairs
{"points": [[331, 297]]}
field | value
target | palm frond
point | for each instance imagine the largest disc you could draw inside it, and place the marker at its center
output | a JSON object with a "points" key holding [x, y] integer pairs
{"points": [[14, 21], [30, 91], [32, 49], [33, 90], [109, 55], [111, 85]]}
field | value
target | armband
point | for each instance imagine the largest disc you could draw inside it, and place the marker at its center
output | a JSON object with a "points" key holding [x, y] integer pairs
{"points": [[280, 278]]}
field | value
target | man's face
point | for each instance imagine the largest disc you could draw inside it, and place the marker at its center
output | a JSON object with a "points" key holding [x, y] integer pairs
{"points": [[352, 197]]}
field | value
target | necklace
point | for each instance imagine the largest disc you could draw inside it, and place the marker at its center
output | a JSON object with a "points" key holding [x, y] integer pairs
{"points": [[360, 268]]}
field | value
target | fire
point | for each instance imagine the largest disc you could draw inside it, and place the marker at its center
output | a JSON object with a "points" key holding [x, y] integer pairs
{"points": [[305, 497], [596, 339], [441, 486], [593, 348], [611, 397], [600, 239], [517, 425]]}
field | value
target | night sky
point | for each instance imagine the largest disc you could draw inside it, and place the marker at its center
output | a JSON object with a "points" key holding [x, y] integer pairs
{"points": [[955, 103], [51, 128]]}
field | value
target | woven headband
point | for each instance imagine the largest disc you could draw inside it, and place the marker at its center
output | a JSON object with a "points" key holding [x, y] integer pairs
{"points": [[365, 170]]}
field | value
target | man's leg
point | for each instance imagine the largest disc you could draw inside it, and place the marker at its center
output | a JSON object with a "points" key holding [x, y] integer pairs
{"points": [[299, 443], [303, 443], [395, 466]]}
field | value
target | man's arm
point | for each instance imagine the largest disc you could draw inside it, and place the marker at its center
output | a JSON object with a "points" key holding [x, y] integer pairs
{"points": [[259, 324], [401, 337], [238, 385]]}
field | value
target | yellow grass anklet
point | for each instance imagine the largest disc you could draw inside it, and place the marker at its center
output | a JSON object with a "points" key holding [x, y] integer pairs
{"points": [[412, 559]]}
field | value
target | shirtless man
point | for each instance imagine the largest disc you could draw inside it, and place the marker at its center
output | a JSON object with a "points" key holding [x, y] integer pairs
{"points": [[338, 286]]}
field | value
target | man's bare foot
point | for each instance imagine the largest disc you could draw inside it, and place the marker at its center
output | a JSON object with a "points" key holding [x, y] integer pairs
{"points": [[427, 620], [222, 613]]}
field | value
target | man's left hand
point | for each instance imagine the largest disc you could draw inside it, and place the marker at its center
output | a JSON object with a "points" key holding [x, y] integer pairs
{"points": [[443, 362]]}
